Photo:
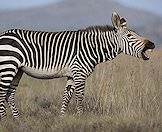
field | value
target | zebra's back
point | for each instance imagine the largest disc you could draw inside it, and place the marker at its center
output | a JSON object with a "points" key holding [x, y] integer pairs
{"points": [[43, 54]]}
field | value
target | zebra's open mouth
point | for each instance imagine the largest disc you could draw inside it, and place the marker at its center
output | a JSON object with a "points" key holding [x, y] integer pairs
{"points": [[145, 54]]}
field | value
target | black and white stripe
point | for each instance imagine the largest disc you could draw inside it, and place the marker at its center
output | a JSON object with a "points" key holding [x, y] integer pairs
{"points": [[71, 54]]}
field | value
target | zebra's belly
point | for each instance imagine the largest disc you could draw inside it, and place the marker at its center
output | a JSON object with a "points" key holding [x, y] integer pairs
{"points": [[47, 73]]}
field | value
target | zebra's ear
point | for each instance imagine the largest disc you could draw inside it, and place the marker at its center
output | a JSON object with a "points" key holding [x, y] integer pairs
{"points": [[116, 20], [123, 23]]}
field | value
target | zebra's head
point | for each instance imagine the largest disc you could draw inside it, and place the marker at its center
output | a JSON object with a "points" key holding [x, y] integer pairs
{"points": [[129, 41]]}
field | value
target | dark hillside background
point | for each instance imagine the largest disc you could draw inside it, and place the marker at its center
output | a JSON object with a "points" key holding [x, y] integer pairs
{"points": [[75, 14]]}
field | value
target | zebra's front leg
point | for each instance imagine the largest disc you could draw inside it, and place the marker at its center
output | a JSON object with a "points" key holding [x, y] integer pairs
{"points": [[79, 93], [68, 92]]}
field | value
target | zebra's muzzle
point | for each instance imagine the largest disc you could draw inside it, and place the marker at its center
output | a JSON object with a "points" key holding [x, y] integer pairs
{"points": [[144, 53], [145, 56]]}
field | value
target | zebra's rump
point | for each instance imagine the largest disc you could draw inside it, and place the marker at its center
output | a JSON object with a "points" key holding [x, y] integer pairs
{"points": [[47, 73]]}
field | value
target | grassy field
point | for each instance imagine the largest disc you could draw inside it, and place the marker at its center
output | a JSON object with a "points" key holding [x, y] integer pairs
{"points": [[123, 95]]}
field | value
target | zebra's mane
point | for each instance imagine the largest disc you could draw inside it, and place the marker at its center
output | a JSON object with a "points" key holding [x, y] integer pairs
{"points": [[102, 28]]}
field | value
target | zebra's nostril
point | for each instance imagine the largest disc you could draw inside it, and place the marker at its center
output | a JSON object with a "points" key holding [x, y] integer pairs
{"points": [[150, 45]]}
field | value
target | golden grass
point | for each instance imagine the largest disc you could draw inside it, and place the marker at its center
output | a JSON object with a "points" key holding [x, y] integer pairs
{"points": [[121, 95]]}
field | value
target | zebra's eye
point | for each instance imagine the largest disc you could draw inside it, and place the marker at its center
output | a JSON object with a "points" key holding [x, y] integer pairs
{"points": [[129, 35]]}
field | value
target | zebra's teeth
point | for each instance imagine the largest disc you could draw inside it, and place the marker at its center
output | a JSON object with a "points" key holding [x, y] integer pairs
{"points": [[150, 50], [146, 55]]}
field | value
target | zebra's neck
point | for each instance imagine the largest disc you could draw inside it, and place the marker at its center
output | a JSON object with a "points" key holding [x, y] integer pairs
{"points": [[107, 47]]}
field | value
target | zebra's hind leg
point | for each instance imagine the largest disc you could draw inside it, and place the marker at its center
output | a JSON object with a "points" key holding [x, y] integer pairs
{"points": [[6, 79], [11, 102], [68, 92], [3, 91], [11, 93]]}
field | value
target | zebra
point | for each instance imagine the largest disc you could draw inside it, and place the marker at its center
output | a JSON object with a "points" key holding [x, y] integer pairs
{"points": [[71, 54]]}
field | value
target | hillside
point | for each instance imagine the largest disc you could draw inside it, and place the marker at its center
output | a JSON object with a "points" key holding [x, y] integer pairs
{"points": [[72, 14]]}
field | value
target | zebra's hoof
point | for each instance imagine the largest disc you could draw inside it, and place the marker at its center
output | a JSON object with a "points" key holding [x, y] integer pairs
{"points": [[62, 115]]}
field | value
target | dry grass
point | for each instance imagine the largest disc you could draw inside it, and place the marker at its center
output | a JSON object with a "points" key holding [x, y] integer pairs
{"points": [[121, 95]]}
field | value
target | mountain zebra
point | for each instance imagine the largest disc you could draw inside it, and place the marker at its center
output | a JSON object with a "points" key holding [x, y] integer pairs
{"points": [[71, 54]]}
